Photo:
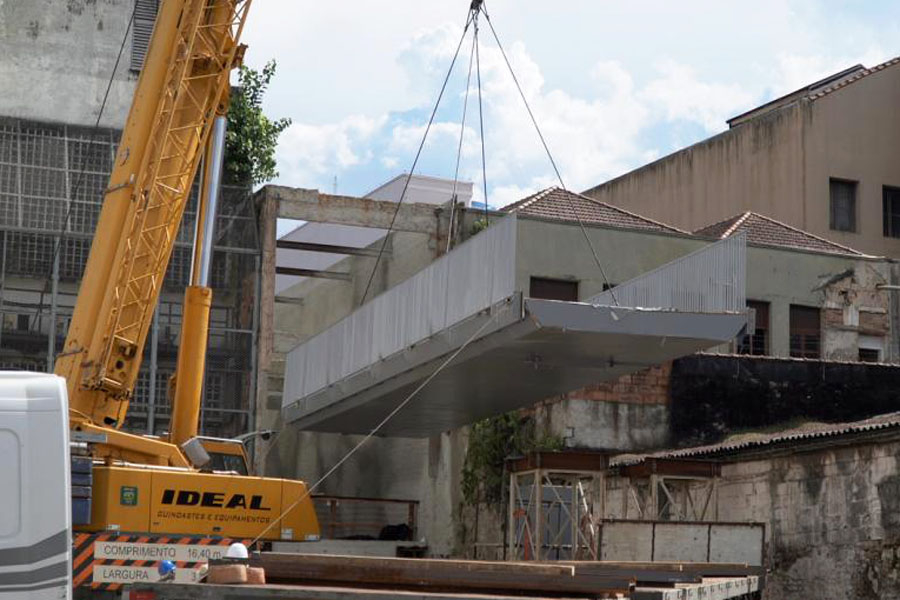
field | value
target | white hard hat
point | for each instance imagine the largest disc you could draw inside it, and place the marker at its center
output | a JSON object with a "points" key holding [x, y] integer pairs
{"points": [[237, 550]]}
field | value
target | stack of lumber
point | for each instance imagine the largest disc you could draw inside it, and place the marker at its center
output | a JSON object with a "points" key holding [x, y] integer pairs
{"points": [[532, 579], [452, 576]]}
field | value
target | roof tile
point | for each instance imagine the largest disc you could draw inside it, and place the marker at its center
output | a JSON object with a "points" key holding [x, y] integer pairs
{"points": [[769, 232], [557, 203]]}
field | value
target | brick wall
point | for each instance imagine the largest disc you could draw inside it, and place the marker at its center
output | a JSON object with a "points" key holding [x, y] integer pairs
{"points": [[650, 386]]}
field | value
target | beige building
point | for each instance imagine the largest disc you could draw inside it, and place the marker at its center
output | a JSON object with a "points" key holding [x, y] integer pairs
{"points": [[823, 159]]}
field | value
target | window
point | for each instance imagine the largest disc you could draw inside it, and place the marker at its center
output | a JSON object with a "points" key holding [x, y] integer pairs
{"points": [[805, 332], [869, 355], [757, 342], [843, 204], [890, 202], [141, 31], [553, 289]]}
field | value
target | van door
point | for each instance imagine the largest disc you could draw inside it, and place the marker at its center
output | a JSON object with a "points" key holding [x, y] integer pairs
{"points": [[35, 502]]}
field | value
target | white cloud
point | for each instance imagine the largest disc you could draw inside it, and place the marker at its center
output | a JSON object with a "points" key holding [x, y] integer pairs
{"points": [[406, 137], [606, 103], [308, 152], [681, 95]]}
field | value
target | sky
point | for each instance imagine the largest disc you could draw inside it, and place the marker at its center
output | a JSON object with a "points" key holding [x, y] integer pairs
{"points": [[613, 85]]}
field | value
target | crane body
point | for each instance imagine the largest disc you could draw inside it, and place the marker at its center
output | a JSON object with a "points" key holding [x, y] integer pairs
{"points": [[142, 483]]}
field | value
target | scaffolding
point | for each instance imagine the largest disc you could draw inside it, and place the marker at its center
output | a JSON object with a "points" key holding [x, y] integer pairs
{"points": [[52, 180], [556, 503], [666, 489]]}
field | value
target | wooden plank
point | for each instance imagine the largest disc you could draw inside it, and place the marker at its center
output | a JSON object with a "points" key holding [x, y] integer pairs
{"points": [[437, 575], [184, 591], [699, 568]]}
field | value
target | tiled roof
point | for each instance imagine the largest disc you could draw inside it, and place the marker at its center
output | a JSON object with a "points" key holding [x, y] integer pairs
{"points": [[769, 232], [856, 77], [557, 203]]}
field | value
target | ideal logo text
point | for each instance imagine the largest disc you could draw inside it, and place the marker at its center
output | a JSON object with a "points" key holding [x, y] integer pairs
{"points": [[212, 500]]}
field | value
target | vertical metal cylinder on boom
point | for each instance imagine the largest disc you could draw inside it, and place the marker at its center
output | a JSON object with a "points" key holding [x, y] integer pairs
{"points": [[187, 398]]}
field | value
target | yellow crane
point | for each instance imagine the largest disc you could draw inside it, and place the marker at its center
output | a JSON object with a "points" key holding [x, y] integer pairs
{"points": [[146, 484]]}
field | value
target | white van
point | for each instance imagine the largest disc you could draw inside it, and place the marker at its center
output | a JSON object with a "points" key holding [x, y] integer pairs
{"points": [[35, 496]]}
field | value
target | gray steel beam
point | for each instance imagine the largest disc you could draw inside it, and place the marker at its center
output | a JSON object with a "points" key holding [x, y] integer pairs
{"points": [[310, 205], [312, 273], [328, 248]]}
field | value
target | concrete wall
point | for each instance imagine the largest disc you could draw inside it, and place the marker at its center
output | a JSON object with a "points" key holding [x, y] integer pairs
{"points": [[757, 166], [832, 519], [830, 516], [56, 59], [779, 164]]}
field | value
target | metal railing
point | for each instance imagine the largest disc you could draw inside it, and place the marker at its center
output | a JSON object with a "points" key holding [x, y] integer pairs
{"points": [[352, 518], [709, 280], [471, 278]]}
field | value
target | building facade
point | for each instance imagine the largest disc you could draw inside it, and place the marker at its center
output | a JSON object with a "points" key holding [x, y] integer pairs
{"points": [[821, 159], [54, 168]]}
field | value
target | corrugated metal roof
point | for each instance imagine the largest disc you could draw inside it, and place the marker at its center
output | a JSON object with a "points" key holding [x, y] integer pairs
{"points": [[767, 231], [560, 204], [759, 441]]}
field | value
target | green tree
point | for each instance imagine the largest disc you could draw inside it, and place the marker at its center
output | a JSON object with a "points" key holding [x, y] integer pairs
{"points": [[491, 442], [252, 136]]}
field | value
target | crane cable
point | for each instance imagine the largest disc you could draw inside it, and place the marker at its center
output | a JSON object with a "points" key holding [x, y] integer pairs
{"points": [[550, 156], [476, 7], [462, 132], [377, 427], [412, 169]]}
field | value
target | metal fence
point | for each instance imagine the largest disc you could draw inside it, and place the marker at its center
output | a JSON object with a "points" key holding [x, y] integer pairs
{"points": [[709, 280], [352, 518], [471, 278]]}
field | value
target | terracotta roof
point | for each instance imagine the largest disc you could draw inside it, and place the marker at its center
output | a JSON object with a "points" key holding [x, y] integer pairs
{"points": [[557, 203], [856, 77], [769, 232]]}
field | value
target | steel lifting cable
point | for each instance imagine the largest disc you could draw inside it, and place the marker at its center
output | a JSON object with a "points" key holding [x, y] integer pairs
{"points": [[412, 169], [377, 428], [550, 156], [476, 7], [462, 132]]}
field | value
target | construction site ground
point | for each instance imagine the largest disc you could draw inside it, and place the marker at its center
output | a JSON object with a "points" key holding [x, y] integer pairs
{"points": [[717, 588], [315, 577]]}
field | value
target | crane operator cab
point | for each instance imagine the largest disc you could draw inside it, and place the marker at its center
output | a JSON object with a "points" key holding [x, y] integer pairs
{"points": [[218, 454]]}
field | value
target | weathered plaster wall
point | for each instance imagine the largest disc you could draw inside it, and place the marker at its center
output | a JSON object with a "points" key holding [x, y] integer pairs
{"points": [[758, 165], [832, 519], [852, 134], [779, 165], [629, 413], [56, 59]]}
